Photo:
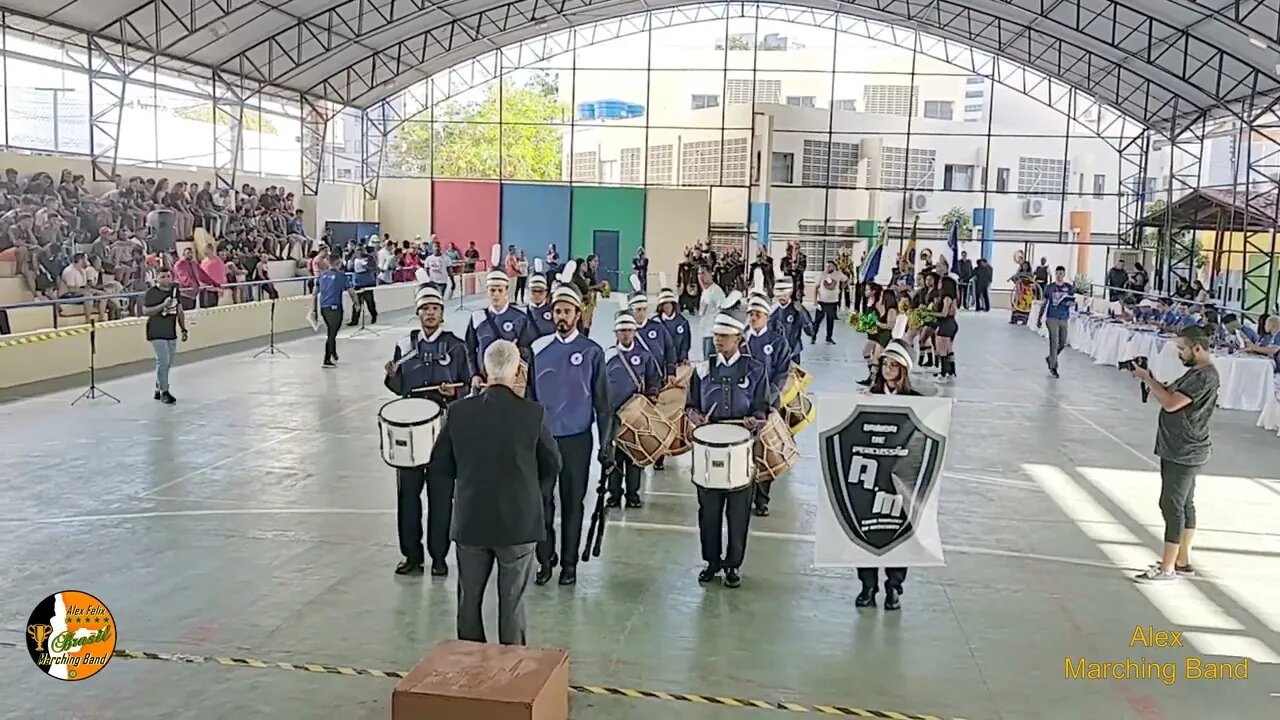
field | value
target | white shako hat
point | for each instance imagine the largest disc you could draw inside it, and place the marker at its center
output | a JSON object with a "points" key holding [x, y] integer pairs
{"points": [[428, 296], [666, 295], [567, 293], [538, 281], [758, 301], [728, 323], [624, 321], [782, 285], [898, 352], [496, 278], [637, 299]]}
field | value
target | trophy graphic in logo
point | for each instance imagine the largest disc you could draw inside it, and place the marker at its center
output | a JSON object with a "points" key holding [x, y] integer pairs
{"points": [[39, 634]]}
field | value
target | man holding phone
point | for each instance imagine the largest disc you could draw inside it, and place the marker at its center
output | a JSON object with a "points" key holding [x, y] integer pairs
{"points": [[164, 318]]}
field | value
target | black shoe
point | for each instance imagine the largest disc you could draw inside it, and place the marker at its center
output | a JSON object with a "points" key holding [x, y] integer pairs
{"points": [[544, 575], [865, 383], [660, 465], [329, 364], [1053, 372], [335, 357], [439, 568], [167, 399], [634, 502], [613, 502], [866, 598], [156, 396], [830, 341], [731, 578], [409, 567], [762, 511], [891, 599], [568, 576], [708, 573]]}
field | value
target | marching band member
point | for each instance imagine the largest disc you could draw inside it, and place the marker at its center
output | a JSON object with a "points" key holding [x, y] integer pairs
{"points": [[767, 346], [539, 309], [573, 384], [501, 320], [652, 334], [727, 387], [632, 370], [676, 324], [791, 320], [428, 357]]}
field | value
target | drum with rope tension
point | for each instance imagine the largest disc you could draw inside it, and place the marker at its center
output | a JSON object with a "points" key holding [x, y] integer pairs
{"points": [[671, 404], [644, 434], [775, 449]]}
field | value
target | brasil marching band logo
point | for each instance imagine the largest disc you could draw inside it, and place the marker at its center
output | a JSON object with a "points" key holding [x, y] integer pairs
{"points": [[71, 635]]}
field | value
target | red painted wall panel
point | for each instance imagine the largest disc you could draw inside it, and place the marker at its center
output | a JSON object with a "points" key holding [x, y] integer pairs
{"points": [[466, 212]]}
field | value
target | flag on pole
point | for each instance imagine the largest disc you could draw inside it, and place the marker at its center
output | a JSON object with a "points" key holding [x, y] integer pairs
{"points": [[908, 262], [953, 242], [871, 266]]}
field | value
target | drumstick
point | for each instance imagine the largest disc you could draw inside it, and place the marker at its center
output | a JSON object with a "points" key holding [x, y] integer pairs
{"points": [[412, 354]]}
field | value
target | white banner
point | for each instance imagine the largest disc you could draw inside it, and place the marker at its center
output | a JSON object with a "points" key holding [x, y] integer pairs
{"points": [[882, 458]]}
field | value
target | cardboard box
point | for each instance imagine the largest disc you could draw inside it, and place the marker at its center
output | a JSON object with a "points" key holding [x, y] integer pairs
{"points": [[459, 680]]}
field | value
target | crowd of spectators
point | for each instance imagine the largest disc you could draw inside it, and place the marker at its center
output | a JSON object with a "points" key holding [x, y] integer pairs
{"points": [[70, 243]]}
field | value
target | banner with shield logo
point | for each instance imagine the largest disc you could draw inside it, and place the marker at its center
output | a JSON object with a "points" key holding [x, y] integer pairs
{"points": [[882, 458]]}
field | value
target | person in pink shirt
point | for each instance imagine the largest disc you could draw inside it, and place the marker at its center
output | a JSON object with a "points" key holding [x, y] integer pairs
{"points": [[191, 278], [215, 268]]}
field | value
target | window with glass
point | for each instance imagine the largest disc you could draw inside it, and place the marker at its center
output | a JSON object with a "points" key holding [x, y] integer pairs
{"points": [[1041, 177]]}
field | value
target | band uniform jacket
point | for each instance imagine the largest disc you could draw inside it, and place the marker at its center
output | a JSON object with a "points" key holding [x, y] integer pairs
{"points": [[486, 326], [770, 348], [541, 319], [439, 359], [681, 335], [573, 384], [499, 476], [729, 392], [631, 370], [792, 322], [653, 336]]}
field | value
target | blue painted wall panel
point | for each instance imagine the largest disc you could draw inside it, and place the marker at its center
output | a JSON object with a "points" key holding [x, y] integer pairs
{"points": [[535, 216]]}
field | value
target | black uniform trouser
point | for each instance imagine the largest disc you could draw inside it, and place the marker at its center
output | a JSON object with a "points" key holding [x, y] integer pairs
{"points": [[332, 324], [760, 493], [575, 472], [714, 507], [624, 469], [409, 485], [826, 311], [367, 298], [893, 577]]}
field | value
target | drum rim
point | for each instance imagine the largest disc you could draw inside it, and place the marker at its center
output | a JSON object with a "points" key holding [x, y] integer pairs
{"points": [[714, 444], [418, 423]]}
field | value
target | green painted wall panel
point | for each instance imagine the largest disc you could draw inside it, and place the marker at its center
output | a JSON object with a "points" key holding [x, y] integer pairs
{"points": [[607, 208]]}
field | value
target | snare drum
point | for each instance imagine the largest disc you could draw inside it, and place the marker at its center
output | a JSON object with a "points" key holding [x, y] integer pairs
{"points": [[722, 457], [644, 434], [407, 431]]}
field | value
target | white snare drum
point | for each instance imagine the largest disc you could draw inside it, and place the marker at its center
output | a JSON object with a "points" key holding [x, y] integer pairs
{"points": [[407, 431], [722, 456]]}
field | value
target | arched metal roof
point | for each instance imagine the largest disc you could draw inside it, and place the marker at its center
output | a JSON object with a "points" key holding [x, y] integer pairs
{"points": [[1165, 63]]}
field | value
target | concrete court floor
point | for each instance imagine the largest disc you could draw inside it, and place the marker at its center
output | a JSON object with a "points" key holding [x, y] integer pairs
{"points": [[255, 519]]}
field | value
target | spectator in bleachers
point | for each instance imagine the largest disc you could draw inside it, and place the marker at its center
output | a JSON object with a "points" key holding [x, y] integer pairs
{"points": [[296, 234], [13, 185], [215, 268], [191, 278], [74, 283], [211, 219]]}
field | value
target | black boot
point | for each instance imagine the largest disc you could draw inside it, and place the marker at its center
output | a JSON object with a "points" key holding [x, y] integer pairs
{"points": [[568, 576], [634, 502], [866, 598], [544, 575], [439, 568], [731, 578], [613, 502], [708, 573], [891, 598], [409, 567]]}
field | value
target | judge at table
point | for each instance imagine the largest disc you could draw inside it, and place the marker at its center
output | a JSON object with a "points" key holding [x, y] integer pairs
{"points": [[500, 479]]}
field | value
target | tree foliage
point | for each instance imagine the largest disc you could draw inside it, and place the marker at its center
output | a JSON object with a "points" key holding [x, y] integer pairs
{"points": [[1184, 245], [964, 218], [252, 120], [507, 127]]}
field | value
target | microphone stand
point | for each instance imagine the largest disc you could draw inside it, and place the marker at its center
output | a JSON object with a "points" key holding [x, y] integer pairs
{"points": [[94, 392], [271, 348]]}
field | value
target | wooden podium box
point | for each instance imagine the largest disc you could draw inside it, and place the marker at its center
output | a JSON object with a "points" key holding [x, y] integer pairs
{"points": [[478, 681]]}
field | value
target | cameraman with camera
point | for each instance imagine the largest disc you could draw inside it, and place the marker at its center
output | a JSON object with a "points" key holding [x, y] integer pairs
{"points": [[1183, 446]]}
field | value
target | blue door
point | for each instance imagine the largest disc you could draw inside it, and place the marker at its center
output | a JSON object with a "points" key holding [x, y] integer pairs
{"points": [[605, 247]]}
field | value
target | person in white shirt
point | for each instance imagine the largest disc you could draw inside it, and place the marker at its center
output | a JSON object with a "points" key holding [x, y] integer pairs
{"points": [[74, 283], [437, 269], [827, 294], [712, 298], [387, 263]]}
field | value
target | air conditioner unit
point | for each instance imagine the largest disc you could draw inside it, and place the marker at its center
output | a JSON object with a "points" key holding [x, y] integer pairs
{"points": [[918, 202], [1033, 207]]}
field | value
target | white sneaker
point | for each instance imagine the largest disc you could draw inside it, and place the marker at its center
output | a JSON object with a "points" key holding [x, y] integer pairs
{"points": [[1153, 575]]}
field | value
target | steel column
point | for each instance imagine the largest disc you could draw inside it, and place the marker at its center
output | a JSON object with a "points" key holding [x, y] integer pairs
{"points": [[315, 127]]}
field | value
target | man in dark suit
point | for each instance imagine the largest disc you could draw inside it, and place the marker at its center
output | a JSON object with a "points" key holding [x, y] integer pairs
{"points": [[500, 479]]}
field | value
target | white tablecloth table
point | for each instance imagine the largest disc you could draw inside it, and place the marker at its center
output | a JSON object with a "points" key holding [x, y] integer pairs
{"points": [[1246, 382]]}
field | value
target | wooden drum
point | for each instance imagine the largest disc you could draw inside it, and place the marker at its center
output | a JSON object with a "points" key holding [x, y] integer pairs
{"points": [[671, 404], [775, 451], [644, 433]]}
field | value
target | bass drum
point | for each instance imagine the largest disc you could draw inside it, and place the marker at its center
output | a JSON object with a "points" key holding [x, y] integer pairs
{"points": [[671, 404], [775, 450], [644, 434]]}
